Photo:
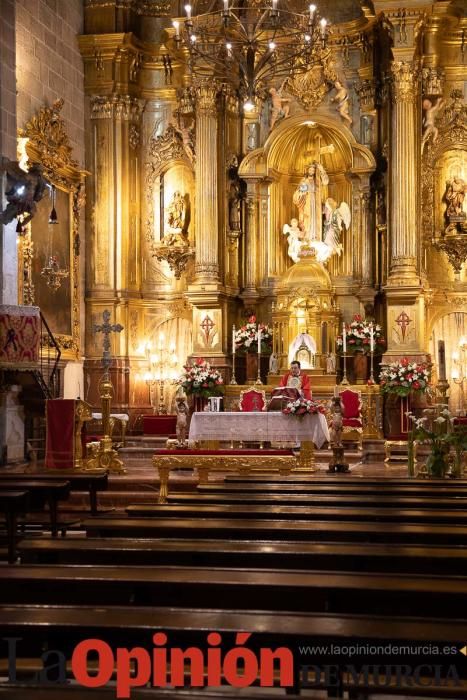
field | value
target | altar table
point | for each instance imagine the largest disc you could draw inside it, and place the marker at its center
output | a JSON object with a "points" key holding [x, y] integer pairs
{"points": [[259, 427]]}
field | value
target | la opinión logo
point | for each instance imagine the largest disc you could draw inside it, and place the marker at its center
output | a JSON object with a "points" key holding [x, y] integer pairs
{"points": [[164, 666]]}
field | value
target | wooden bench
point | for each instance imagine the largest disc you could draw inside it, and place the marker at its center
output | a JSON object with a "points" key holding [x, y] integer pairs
{"points": [[340, 479], [375, 499], [62, 628], [338, 512], [13, 504], [250, 529], [332, 556], [41, 493], [308, 488], [296, 591], [78, 480]]}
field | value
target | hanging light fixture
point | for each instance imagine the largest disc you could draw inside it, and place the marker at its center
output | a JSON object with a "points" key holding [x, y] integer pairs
{"points": [[53, 218], [249, 45], [52, 271]]}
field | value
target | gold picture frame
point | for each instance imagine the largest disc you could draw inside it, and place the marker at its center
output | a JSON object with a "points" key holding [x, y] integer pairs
{"points": [[44, 142]]}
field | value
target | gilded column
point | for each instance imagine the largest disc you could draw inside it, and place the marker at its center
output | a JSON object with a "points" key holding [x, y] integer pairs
{"points": [[403, 161], [367, 247], [206, 189], [251, 243]]}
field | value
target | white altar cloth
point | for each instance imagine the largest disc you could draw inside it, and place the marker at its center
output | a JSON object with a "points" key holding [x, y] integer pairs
{"points": [[259, 427]]}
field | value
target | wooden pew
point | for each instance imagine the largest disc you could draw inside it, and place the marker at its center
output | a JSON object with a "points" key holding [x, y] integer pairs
{"points": [[250, 529], [61, 628], [92, 481], [13, 504], [297, 591], [342, 479], [353, 488], [41, 493], [332, 556], [394, 514], [344, 499]]}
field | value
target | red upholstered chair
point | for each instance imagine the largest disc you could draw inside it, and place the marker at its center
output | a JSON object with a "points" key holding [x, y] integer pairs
{"points": [[252, 400], [353, 419]]}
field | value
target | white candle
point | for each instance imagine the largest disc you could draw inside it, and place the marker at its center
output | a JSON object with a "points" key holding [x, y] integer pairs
{"points": [[372, 338], [233, 339], [441, 361], [312, 11], [259, 339], [226, 5], [323, 24], [176, 26], [344, 339]]}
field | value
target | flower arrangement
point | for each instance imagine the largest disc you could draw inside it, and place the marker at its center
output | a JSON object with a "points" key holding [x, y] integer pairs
{"points": [[201, 379], [403, 377], [302, 407], [437, 431], [358, 335], [246, 337]]}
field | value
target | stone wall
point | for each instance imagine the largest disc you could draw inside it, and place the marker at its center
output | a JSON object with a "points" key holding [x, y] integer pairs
{"points": [[49, 64]]}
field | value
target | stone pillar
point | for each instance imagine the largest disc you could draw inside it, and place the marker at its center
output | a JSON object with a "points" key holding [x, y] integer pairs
{"points": [[403, 163], [206, 190]]}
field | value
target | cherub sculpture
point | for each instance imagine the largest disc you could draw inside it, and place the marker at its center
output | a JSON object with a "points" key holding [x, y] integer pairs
{"points": [[295, 239], [182, 411], [430, 109], [24, 190], [342, 99], [337, 411], [280, 106]]}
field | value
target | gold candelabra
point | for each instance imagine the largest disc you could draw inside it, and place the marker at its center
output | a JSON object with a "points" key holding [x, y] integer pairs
{"points": [[162, 370], [459, 369]]}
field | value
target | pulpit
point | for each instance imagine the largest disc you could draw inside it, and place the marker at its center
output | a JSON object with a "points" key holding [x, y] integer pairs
{"points": [[65, 419]]}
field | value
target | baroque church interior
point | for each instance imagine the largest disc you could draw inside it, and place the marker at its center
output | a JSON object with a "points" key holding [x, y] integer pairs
{"points": [[194, 198]]}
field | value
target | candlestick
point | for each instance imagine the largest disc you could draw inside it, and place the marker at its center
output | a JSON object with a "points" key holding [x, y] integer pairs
{"points": [[441, 361], [371, 379], [344, 377], [233, 379], [258, 380]]}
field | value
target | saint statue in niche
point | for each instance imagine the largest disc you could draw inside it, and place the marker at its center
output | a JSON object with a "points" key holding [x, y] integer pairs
{"points": [[454, 196], [176, 221], [308, 198]]}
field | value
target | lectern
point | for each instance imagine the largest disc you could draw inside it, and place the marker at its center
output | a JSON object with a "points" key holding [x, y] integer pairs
{"points": [[65, 419]]}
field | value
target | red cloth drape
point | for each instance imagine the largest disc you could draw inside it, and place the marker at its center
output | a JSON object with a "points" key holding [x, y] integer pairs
{"points": [[60, 442]]}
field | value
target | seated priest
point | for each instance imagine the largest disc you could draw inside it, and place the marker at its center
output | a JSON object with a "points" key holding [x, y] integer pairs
{"points": [[295, 379]]}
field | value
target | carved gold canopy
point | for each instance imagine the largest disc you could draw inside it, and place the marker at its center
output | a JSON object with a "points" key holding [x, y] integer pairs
{"points": [[46, 143]]}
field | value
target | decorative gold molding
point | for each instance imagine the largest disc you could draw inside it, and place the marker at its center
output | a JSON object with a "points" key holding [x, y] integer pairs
{"points": [[404, 81], [121, 107], [177, 256], [48, 145]]}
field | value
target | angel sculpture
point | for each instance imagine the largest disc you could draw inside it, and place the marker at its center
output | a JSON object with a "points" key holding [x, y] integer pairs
{"points": [[335, 218], [295, 239], [24, 190]]}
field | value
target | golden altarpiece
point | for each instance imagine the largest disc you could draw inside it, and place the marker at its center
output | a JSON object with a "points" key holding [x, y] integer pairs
{"points": [[189, 196]]}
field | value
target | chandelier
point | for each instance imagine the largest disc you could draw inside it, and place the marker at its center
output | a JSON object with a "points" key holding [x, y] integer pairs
{"points": [[249, 45]]}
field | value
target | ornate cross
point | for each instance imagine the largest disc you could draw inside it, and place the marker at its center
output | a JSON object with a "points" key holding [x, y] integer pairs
{"points": [[207, 325], [107, 328], [403, 321]]}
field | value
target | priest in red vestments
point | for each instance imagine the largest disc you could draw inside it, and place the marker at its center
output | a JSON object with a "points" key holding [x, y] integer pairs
{"points": [[295, 379]]}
